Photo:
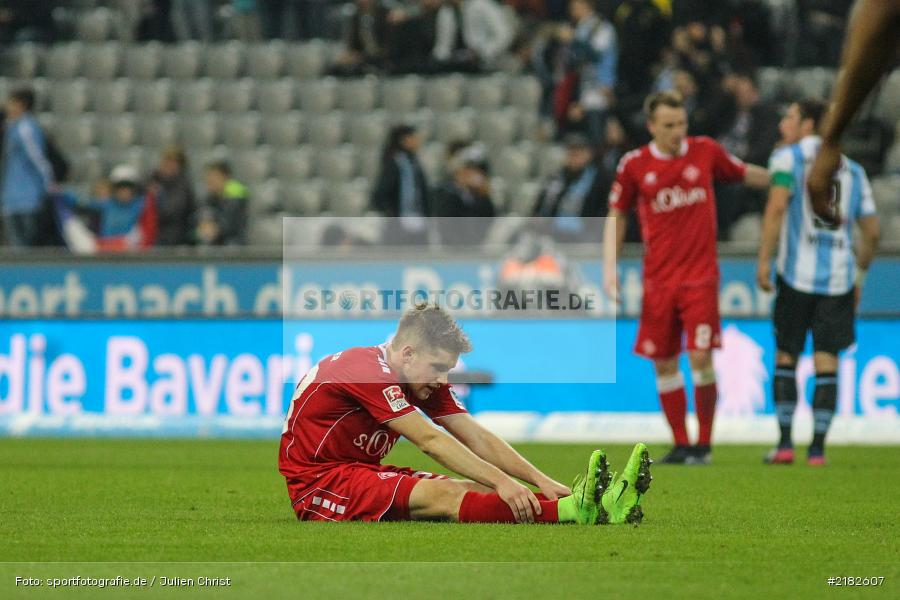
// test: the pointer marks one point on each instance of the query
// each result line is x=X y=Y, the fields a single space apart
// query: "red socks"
x=674 y=405
x=490 y=508
x=705 y=402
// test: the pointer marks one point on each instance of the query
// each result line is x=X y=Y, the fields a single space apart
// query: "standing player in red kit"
x=351 y=408
x=670 y=181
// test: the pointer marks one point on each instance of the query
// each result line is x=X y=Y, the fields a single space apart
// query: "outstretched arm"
x=757 y=177
x=497 y=452
x=452 y=454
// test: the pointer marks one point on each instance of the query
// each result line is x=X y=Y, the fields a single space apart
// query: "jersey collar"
x=657 y=153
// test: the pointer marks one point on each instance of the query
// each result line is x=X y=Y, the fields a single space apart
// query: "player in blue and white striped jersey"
x=819 y=272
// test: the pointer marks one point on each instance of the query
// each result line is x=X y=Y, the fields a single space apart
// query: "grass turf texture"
x=734 y=529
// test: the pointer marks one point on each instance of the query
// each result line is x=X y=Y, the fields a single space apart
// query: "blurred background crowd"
x=132 y=124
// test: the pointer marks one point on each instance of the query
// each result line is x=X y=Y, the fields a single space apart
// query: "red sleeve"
x=727 y=167
x=624 y=189
x=384 y=400
x=361 y=375
x=443 y=403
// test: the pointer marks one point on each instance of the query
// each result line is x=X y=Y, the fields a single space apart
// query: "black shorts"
x=831 y=319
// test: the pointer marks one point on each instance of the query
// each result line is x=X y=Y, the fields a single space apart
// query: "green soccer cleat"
x=622 y=500
x=589 y=488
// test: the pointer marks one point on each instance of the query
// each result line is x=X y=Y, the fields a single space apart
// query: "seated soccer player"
x=352 y=407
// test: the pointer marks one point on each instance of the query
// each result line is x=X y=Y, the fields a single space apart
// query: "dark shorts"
x=831 y=319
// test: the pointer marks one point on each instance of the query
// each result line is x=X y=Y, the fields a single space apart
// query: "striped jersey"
x=813 y=256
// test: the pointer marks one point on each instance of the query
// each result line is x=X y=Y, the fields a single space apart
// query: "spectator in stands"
x=222 y=218
x=192 y=19
x=578 y=68
x=579 y=190
x=643 y=31
x=27 y=21
x=467 y=195
x=401 y=191
x=27 y=172
x=749 y=130
x=413 y=38
x=244 y=24
x=126 y=216
x=174 y=195
x=365 y=36
x=471 y=35
x=702 y=50
x=822 y=24
x=146 y=20
x=750 y=127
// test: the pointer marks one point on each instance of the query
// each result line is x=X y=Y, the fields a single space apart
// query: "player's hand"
x=611 y=285
x=553 y=490
x=520 y=499
x=764 y=276
x=820 y=182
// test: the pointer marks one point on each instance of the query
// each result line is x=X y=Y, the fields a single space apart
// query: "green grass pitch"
x=736 y=529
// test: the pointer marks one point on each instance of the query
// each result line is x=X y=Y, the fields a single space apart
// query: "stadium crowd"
x=594 y=62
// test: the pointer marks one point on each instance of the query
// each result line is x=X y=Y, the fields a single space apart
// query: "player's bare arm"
x=757 y=177
x=779 y=196
x=492 y=449
x=450 y=453
x=869 y=50
x=613 y=239
x=870 y=234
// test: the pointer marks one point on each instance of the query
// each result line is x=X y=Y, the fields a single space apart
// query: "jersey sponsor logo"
x=395 y=398
x=376 y=444
x=691 y=173
x=669 y=199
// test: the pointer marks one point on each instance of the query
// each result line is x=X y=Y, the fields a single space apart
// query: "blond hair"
x=430 y=325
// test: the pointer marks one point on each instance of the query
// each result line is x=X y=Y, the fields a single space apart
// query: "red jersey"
x=340 y=409
x=676 y=206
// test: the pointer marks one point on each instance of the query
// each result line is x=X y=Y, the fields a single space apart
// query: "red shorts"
x=356 y=492
x=669 y=312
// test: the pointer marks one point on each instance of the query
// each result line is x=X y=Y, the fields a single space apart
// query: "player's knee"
x=824 y=362
x=785 y=359
x=666 y=367
x=436 y=499
x=700 y=360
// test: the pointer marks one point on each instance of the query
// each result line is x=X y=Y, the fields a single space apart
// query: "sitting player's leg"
x=461 y=501
x=622 y=502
